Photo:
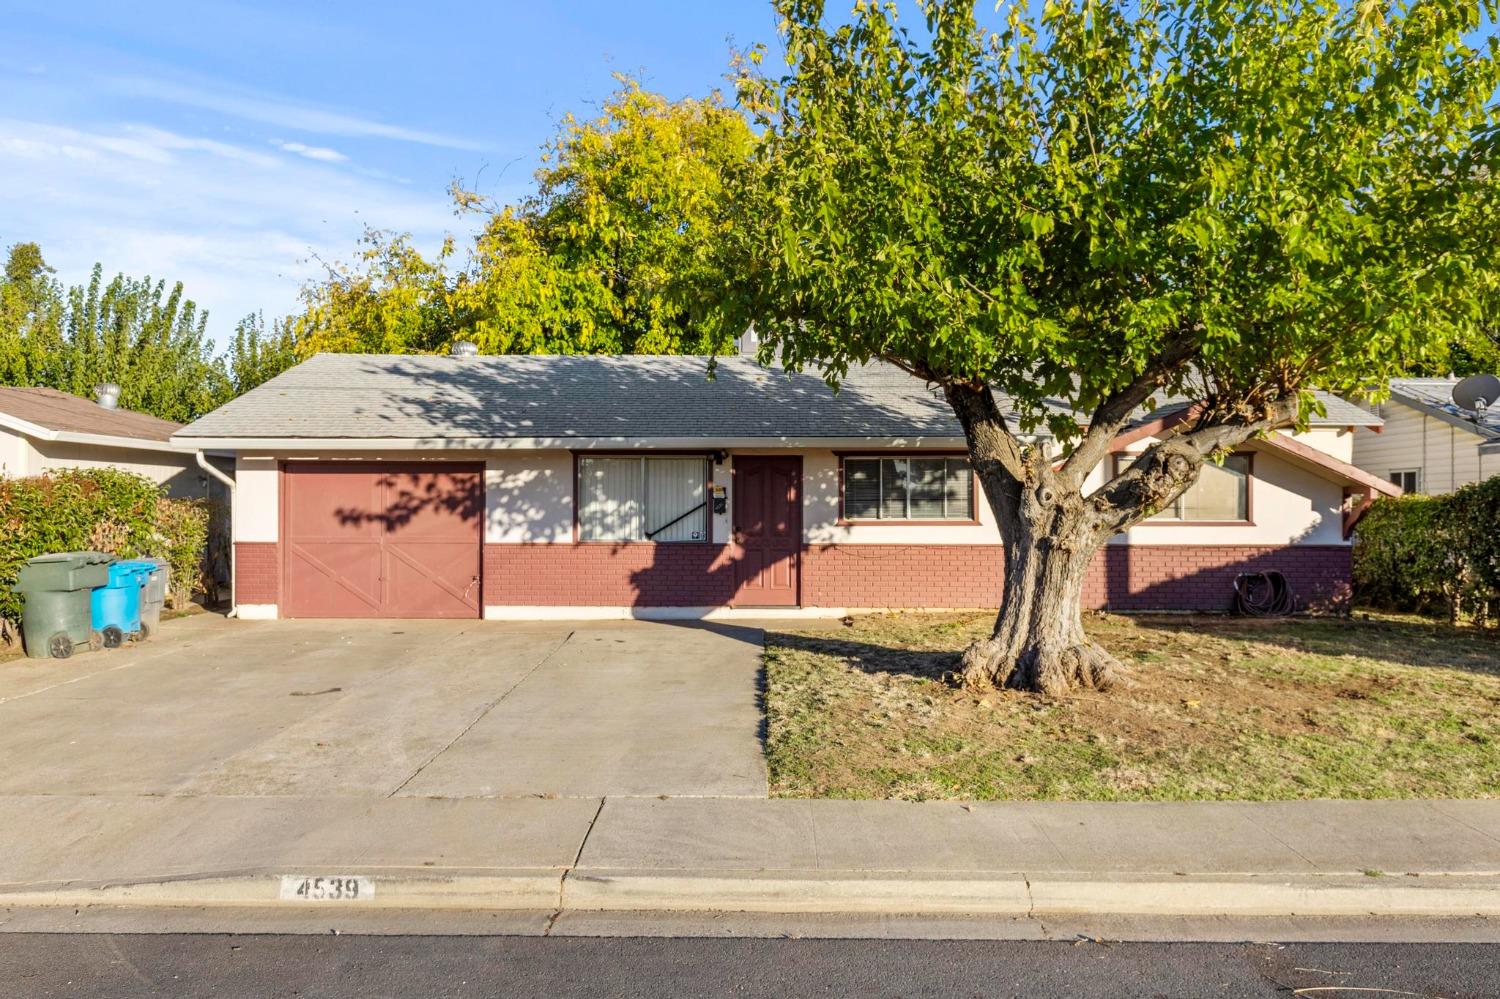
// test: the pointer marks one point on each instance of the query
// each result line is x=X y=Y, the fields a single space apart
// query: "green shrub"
x=101 y=509
x=1426 y=553
x=182 y=527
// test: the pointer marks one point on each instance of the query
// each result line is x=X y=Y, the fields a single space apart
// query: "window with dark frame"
x=643 y=498
x=1409 y=479
x=1220 y=496
x=908 y=489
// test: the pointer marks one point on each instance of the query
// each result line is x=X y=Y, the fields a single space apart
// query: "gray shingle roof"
x=1436 y=394
x=624 y=397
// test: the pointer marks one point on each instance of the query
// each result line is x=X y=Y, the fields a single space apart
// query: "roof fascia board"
x=1350 y=474
x=547 y=443
x=1444 y=416
x=110 y=440
x=42 y=433
x=26 y=427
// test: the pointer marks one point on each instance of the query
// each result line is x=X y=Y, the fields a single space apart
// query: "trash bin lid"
x=74 y=558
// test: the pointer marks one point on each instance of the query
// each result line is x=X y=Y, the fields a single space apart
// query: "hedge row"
x=98 y=510
x=1432 y=553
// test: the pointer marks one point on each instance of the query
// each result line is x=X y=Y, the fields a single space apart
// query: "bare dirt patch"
x=1218 y=708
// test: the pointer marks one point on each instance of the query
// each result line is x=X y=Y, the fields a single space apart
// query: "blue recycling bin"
x=116 y=606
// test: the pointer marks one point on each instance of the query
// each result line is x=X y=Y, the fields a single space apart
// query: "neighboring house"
x=1427 y=444
x=526 y=487
x=43 y=429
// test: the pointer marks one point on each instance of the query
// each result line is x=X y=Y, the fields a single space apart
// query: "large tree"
x=1104 y=204
x=139 y=332
x=617 y=250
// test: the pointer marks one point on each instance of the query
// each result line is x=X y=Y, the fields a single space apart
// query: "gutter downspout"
x=234 y=578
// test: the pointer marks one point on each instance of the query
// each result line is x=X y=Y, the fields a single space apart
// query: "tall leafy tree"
x=258 y=353
x=1103 y=203
x=149 y=338
x=618 y=250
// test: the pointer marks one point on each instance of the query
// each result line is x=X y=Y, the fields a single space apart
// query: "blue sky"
x=229 y=145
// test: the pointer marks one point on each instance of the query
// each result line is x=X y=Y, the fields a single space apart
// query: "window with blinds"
x=632 y=498
x=908 y=489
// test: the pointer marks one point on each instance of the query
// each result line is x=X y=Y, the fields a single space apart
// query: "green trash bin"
x=56 y=616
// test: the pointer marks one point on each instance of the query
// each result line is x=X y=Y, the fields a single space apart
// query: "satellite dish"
x=1477 y=392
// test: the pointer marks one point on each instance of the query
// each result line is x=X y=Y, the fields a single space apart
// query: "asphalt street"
x=42 y=966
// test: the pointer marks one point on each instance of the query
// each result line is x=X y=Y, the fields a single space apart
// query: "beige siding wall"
x=176 y=471
x=1447 y=456
x=15 y=455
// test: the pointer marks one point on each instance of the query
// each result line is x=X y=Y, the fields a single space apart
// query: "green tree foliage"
x=258 y=353
x=619 y=250
x=1104 y=203
x=148 y=338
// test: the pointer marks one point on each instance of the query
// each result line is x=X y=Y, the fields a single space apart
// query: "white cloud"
x=320 y=153
x=282 y=113
x=238 y=226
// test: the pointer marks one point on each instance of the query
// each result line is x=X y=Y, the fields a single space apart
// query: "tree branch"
x=1111 y=415
x=986 y=429
x=1168 y=467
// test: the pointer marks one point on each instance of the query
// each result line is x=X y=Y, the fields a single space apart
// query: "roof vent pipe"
x=463 y=348
x=107 y=395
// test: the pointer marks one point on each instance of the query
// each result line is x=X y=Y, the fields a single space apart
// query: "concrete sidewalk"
x=1021 y=860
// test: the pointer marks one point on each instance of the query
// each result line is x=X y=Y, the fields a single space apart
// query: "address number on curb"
x=325 y=888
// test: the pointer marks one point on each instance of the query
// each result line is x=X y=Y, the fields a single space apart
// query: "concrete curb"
x=849 y=892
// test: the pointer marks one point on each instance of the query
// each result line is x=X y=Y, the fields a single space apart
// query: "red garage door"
x=382 y=540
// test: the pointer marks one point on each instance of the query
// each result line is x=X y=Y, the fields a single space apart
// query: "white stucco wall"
x=1288 y=505
x=1335 y=441
x=528 y=497
x=820 y=515
x=257 y=499
x=1447 y=456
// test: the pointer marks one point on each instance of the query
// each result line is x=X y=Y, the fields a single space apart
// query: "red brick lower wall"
x=1123 y=577
x=258 y=565
x=600 y=574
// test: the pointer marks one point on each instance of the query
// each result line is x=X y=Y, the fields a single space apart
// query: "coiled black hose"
x=1263 y=594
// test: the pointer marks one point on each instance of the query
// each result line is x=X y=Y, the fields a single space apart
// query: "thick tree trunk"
x=1050 y=534
x=1039 y=644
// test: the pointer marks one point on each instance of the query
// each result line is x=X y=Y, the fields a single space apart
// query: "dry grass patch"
x=1220 y=708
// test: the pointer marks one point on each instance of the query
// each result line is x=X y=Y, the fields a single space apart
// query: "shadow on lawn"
x=1434 y=646
x=927 y=664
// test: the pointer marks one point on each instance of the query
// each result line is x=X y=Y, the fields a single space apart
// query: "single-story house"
x=1427 y=443
x=520 y=487
x=42 y=429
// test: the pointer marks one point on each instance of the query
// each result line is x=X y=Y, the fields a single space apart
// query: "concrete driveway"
x=387 y=708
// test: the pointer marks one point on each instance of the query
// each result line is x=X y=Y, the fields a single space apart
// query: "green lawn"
x=1220 y=708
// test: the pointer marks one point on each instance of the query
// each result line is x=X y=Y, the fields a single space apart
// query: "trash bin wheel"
x=113 y=637
x=145 y=632
x=60 y=646
x=96 y=641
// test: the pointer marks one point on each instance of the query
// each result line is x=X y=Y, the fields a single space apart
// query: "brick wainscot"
x=1123 y=577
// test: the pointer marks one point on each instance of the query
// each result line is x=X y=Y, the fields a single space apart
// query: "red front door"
x=767 y=530
x=390 y=540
